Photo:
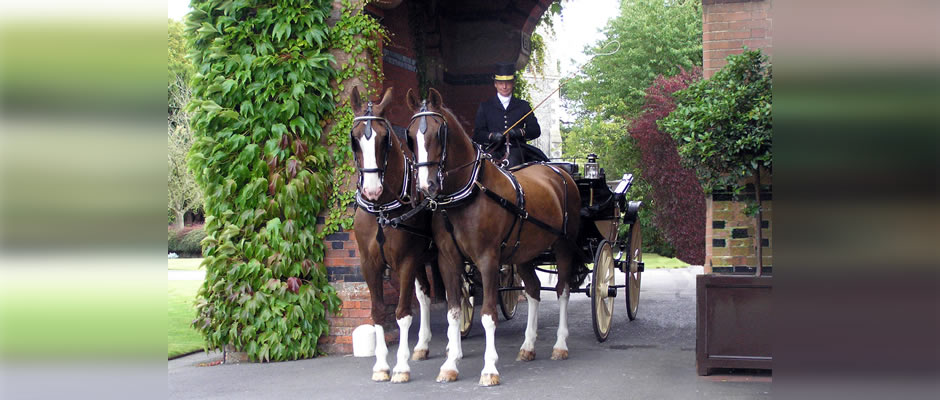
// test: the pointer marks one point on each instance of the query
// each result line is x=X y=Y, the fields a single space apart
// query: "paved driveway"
x=652 y=357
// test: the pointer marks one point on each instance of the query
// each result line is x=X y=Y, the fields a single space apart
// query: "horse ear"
x=355 y=101
x=434 y=99
x=412 y=100
x=387 y=98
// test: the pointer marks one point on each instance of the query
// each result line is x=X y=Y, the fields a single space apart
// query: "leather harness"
x=468 y=191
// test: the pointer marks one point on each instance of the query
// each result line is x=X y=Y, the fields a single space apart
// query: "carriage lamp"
x=591 y=169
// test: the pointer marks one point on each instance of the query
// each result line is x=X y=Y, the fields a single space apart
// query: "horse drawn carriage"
x=489 y=229
x=610 y=240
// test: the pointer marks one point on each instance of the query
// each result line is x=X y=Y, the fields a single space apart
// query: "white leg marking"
x=562 y=342
x=424 y=331
x=532 y=327
x=490 y=356
x=381 y=350
x=371 y=186
x=454 y=351
x=401 y=365
x=422 y=157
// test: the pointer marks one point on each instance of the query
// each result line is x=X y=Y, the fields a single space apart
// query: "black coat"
x=491 y=117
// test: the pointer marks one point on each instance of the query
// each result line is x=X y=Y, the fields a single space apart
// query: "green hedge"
x=186 y=241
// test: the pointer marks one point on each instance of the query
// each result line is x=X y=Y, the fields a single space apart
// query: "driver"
x=499 y=112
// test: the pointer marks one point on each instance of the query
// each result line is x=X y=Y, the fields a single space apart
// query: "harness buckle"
x=432 y=205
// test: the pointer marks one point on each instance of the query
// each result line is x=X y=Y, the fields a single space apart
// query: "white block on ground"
x=364 y=341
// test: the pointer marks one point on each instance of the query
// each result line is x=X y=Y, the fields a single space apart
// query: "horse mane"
x=454 y=121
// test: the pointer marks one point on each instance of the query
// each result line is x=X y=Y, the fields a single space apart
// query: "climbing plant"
x=264 y=95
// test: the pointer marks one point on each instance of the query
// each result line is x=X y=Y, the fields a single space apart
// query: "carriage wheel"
x=508 y=299
x=635 y=254
x=466 y=307
x=602 y=309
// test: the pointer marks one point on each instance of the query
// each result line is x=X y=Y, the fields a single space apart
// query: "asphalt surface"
x=652 y=357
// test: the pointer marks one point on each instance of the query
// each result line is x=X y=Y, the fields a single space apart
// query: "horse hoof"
x=401 y=377
x=447 y=376
x=419 y=355
x=559 y=354
x=525 y=355
x=489 y=379
x=380 y=376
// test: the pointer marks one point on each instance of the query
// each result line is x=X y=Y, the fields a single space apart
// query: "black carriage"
x=605 y=213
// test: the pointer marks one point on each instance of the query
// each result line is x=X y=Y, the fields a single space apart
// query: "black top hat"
x=505 y=72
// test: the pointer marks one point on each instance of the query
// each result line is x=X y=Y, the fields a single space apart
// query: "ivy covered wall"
x=271 y=156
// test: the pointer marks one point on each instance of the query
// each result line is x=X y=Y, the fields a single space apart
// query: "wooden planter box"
x=734 y=322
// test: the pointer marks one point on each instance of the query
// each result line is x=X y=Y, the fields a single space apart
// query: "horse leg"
x=533 y=295
x=451 y=269
x=565 y=256
x=406 y=274
x=424 y=300
x=489 y=269
x=373 y=277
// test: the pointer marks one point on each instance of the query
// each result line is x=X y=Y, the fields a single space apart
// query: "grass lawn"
x=650 y=260
x=181 y=337
x=185 y=264
x=653 y=260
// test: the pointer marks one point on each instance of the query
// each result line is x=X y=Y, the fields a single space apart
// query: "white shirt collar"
x=504 y=100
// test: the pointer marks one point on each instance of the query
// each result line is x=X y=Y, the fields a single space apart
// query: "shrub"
x=678 y=197
x=186 y=241
x=724 y=125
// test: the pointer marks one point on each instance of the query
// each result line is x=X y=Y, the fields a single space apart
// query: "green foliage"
x=723 y=125
x=185 y=241
x=657 y=37
x=264 y=90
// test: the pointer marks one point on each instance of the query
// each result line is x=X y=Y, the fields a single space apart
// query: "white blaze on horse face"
x=422 y=157
x=371 y=185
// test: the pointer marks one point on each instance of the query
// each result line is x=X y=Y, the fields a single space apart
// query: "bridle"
x=371 y=207
x=421 y=118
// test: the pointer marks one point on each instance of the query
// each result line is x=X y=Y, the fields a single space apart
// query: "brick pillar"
x=343 y=270
x=728 y=25
x=730 y=234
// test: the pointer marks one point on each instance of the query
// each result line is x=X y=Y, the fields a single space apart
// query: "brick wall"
x=343 y=270
x=730 y=236
x=727 y=25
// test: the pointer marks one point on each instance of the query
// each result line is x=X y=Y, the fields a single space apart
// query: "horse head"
x=427 y=135
x=371 y=141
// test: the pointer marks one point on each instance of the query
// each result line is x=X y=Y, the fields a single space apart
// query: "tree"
x=182 y=192
x=680 y=201
x=618 y=155
x=657 y=37
x=725 y=129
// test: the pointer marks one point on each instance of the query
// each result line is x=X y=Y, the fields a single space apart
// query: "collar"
x=468 y=189
x=504 y=100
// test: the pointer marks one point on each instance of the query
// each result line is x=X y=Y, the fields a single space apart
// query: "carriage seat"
x=570 y=168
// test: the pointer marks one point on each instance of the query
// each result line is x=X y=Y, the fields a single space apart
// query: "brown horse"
x=472 y=222
x=382 y=161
